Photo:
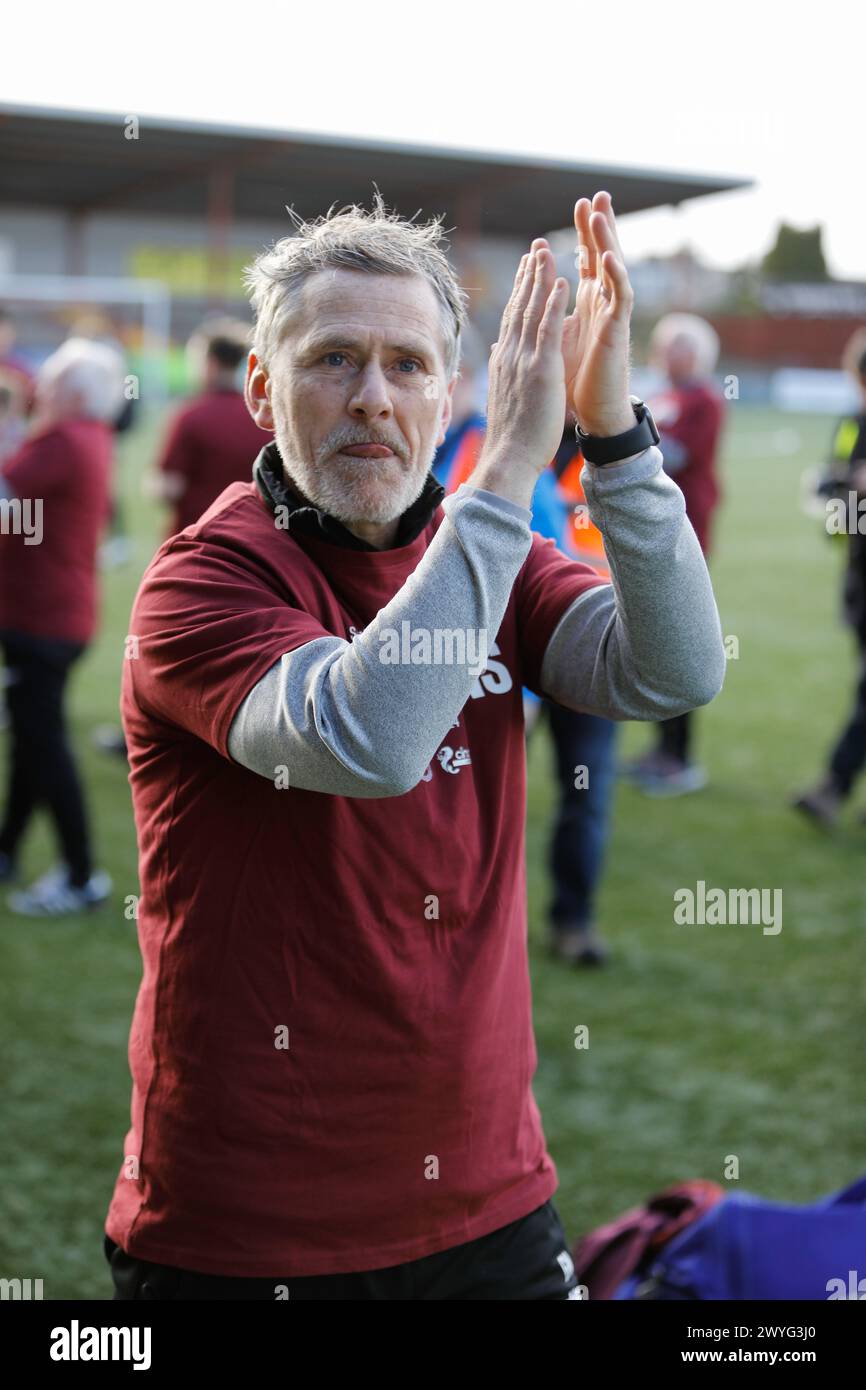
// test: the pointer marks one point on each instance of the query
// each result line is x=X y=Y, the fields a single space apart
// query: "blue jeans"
x=583 y=816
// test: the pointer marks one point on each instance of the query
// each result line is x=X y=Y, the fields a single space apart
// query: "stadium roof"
x=82 y=162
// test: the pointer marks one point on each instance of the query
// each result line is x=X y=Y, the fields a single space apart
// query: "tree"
x=797 y=255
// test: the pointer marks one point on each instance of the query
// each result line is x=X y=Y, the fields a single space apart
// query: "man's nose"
x=370 y=396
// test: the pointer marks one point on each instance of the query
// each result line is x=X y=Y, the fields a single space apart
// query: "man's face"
x=356 y=393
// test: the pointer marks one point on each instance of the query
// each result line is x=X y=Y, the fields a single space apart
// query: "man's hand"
x=526 y=395
x=595 y=340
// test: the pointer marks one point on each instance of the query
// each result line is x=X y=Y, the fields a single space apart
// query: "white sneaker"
x=673 y=781
x=116 y=552
x=53 y=895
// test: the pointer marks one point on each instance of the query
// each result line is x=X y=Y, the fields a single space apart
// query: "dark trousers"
x=527 y=1259
x=675 y=737
x=42 y=770
x=581 y=828
x=849 y=755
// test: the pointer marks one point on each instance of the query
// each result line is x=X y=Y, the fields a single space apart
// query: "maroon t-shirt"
x=693 y=416
x=394 y=1116
x=63 y=476
x=211 y=443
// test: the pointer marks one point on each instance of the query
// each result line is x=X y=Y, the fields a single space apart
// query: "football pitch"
x=706 y=1043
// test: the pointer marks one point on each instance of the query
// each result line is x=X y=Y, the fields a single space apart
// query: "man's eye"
x=412 y=361
x=330 y=355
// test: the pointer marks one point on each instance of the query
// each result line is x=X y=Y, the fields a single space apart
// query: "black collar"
x=303 y=518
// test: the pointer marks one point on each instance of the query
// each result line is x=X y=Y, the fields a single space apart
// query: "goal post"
x=151 y=296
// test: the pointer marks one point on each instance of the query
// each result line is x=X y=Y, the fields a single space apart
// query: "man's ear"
x=257 y=394
x=447 y=408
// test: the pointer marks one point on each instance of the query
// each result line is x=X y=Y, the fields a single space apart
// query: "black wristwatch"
x=600 y=449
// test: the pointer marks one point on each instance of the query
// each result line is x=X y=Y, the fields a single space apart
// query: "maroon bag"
x=609 y=1254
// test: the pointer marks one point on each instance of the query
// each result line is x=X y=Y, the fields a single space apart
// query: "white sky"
x=769 y=93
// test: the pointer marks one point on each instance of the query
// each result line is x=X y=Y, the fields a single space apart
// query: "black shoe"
x=8 y=869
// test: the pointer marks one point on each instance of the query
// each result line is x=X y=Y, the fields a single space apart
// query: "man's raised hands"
x=543 y=360
x=526 y=387
x=595 y=340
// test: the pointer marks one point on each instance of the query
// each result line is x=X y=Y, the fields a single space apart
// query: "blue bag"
x=750 y=1249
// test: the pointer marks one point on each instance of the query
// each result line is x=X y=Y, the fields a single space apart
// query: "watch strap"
x=601 y=449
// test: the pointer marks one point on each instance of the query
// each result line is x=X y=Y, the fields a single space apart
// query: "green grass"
x=704 y=1041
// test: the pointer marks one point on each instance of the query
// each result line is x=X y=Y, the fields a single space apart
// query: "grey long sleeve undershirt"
x=646 y=646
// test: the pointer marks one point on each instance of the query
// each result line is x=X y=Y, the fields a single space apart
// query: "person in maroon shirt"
x=332 y=1050
x=213 y=440
x=689 y=414
x=56 y=498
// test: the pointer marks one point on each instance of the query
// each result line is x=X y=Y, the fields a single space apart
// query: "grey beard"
x=305 y=480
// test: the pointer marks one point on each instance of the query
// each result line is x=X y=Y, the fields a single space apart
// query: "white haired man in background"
x=689 y=413
x=55 y=495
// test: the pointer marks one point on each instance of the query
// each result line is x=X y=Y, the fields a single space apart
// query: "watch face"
x=650 y=420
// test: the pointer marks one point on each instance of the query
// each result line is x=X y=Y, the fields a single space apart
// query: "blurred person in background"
x=11 y=365
x=13 y=423
x=457 y=456
x=583 y=744
x=213 y=440
x=13 y=431
x=580 y=741
x=56 y=490
x=98 y=327
x=845 y=480
x=689 y=414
